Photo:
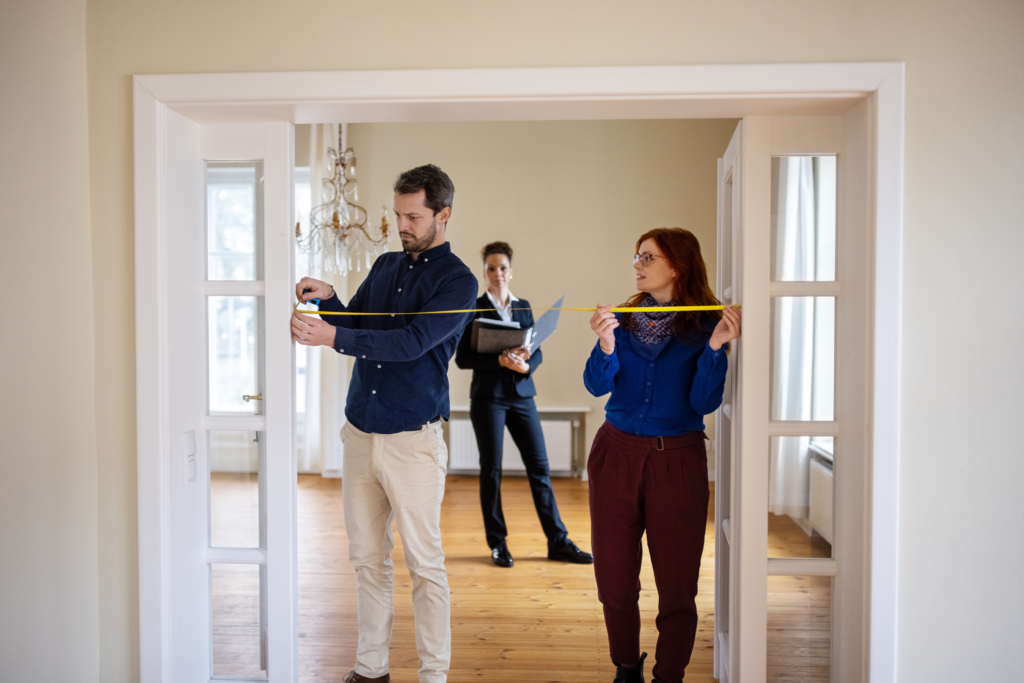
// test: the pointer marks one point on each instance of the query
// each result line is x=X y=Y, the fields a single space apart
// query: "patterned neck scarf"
x=650 y=327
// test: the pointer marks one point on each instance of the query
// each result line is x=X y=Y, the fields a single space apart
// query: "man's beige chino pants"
x=401 y=477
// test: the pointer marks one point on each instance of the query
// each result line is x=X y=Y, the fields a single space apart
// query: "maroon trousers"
x=657 y=484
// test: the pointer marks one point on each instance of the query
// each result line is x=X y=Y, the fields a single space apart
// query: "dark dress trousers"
x=500 y=397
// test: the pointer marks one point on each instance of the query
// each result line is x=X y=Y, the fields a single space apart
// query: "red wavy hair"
x=681 y=250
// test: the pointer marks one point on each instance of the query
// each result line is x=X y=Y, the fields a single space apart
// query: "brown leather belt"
x=655 y=443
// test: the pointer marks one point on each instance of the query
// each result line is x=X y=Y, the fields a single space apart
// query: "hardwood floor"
x=787 y=539
x=538 y=621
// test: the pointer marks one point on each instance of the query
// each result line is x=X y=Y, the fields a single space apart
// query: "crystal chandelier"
x=339 y=228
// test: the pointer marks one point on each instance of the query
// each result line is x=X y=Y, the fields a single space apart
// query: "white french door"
x=792 y=434
x=741 y=423
x=230 y=602
x=728 y=414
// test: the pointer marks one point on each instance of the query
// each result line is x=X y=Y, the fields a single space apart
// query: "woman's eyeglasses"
x=644 y=259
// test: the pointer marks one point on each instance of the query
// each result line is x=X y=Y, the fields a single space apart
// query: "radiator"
x=821 y=499
x=464 y=458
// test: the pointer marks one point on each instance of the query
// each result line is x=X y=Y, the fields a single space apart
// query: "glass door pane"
x=799 y=629
x=235 y=592
x=236 y=492
x=803 y=358
x=233 y=219
x=803 y=222
x=800 y=496
x=234 y=354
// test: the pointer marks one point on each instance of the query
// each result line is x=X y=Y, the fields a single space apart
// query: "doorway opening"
x=571 y=197
x=205 y=103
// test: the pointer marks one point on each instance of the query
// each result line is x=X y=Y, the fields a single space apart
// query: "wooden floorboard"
x=538 y=621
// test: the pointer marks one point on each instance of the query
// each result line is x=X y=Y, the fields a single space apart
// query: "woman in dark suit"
x=501 y=395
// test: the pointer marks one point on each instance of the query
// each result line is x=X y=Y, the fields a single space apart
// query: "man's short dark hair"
x=438 y=187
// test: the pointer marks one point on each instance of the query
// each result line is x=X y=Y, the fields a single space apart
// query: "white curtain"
x=326 y=370
x=803 y=327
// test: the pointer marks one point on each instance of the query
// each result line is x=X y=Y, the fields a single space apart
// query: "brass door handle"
x=257 y=397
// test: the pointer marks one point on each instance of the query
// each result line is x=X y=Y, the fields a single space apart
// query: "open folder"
x=494 y=336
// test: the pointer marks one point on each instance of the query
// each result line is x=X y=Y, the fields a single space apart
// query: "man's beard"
x=421 y=245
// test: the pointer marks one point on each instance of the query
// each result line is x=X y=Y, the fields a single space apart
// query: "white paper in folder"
x=494 y=336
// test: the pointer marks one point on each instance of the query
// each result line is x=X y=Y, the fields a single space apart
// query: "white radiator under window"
x=464 y=458
x=821 y=498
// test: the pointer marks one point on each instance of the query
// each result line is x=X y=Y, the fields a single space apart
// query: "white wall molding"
x=553 y=83
x=151 y=373
x=565 y=93
x=731 y=91
x=888 y=344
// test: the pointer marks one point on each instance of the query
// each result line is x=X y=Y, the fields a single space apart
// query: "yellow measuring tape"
x=620 y=309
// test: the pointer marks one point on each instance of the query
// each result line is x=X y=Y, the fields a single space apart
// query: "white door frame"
x=733 y=91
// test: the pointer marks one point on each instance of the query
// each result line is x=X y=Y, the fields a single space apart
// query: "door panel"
x=819 y=430
x=751 y=494
x=279 y=404
x=232 y=583
x=741 y=450
x=725 y=419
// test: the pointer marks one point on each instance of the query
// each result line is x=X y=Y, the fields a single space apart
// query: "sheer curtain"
x=326 y=386
x=803 y=327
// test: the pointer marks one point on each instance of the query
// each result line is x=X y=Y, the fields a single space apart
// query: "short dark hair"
x=497 y=248
x=438 y=187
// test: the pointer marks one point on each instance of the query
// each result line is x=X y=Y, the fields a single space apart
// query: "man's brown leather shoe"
x=353 y=677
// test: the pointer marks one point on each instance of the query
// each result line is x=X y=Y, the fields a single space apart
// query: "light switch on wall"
x=190 y=469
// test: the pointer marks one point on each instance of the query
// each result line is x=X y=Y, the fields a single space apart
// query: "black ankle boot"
x=632 y=674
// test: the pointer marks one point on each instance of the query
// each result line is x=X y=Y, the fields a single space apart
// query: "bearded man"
x=395 y=457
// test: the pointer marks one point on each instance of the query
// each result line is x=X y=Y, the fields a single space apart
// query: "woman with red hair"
x=648 y=464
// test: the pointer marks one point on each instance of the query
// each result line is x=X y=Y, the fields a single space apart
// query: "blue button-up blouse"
x=662 y=389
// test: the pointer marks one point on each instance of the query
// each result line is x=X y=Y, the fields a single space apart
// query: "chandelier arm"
x=333 y=224
x=374 y=240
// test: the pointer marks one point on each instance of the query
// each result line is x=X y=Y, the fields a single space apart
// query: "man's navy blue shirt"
x=401 y=371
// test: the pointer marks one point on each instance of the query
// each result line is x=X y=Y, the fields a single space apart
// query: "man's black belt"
x=421 y=426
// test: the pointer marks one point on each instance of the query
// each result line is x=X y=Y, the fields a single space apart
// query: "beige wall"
x=48 y=499
x=571 y=197
x=961 y=542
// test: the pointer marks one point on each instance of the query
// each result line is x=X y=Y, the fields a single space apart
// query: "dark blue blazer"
x=490 y=380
